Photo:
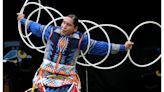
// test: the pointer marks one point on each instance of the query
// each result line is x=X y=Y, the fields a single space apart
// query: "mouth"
x=64 y=31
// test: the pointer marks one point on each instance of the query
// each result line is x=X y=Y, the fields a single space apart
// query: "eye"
x=69 y=24
x=63 y=22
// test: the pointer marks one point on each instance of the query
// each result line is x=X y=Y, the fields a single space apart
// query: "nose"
x=64 y=25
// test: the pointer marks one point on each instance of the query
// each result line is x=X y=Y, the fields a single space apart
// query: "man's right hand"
x=20 y=16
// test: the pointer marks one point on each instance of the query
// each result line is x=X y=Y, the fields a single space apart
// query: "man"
x=57 y=73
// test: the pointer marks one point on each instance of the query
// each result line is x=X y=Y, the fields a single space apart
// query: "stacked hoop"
x=28 y=42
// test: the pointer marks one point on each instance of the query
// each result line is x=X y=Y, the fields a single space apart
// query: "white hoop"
x=134 y=30
x=27 y=35
x=110 y=67
x=32 y=46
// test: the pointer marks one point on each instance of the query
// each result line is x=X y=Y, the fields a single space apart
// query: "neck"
x=62 y=33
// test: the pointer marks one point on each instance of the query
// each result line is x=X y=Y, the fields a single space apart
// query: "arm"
x=34 y=27
x=37 y=28
x=101 y=47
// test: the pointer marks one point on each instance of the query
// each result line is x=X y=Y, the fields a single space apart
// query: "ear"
x=75 y=29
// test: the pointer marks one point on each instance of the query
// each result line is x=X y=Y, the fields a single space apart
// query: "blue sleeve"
x=37 y=28
x=99 y=47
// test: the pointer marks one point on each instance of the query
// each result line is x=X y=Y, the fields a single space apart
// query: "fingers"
x=17 y=13
x=129 y=42
x=128 y=45
x=20 y=16
x=132 y=43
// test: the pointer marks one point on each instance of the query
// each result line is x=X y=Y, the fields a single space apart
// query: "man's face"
x=67 y=26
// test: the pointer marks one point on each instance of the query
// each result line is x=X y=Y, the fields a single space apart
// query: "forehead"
x=68 y=20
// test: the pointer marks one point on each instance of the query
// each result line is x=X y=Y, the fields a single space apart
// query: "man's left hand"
x=128 y=45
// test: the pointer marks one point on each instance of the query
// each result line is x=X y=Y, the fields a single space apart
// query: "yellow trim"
x=79 y=82
x=33 y=88
x=24 y=55
x=158 y=73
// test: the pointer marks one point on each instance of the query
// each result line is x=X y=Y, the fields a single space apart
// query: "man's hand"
x=20 y=16
x=128 y=45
